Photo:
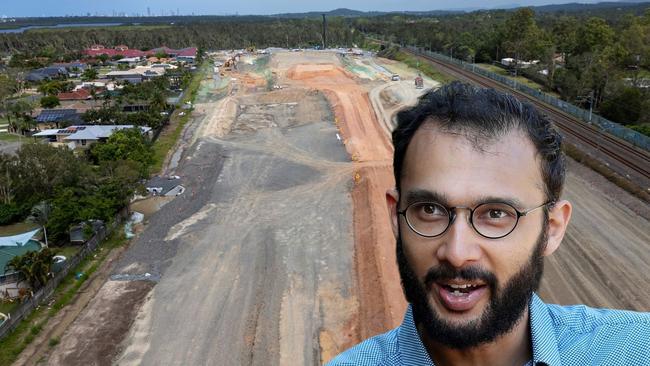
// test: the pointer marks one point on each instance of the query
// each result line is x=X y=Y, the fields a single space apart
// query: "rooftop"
x=88 y=132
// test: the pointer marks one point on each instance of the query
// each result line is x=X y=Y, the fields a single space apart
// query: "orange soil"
x=381 y=303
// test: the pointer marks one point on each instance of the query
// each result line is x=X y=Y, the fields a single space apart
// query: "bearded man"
x=476 y=208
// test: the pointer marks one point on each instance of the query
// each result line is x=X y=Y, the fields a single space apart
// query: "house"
x=57 y=117
x=75 y=67
x=163 y=66
x=12 y=282
x=83 y=135
x=78 y=94
x=187 y=55
x=129 y=61
x=47 y=73
x=130 y=76
x=165 y=186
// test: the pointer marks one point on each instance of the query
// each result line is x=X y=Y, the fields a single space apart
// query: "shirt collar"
x=543 y=335
x=411 y=349
x=545 y=351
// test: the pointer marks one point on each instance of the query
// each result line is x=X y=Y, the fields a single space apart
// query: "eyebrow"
x=423 y=195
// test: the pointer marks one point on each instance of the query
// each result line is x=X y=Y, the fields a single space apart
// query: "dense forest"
x=230 y=34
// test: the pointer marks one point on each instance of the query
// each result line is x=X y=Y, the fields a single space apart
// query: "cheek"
x=420 y=255
x=508 y=257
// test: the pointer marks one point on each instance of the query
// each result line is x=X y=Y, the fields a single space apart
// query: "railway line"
x=632 y=158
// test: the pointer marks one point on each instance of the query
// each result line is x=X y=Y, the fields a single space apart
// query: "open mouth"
x=457 y=296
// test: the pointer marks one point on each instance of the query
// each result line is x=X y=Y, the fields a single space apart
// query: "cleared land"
x=280 y=251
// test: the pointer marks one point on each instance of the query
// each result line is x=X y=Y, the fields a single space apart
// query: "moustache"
x=445 y=271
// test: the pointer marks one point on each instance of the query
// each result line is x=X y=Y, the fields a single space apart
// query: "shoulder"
x=593 y=335
x=378 y=350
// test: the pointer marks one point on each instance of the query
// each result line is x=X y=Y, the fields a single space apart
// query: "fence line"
x=43 y=294
x=627 y=134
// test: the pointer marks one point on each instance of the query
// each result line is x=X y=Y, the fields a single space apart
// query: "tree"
x=89 y=74
x=50 y=101
x=21 y=110
x=127 y=144
x=40 y=214
x=54 y=87
x=624 y=107
x=36 y=266
x=595 y=34
x=521 y=36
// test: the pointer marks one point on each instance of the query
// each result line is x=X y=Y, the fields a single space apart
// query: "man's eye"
x=497 y=214
x=431 y=210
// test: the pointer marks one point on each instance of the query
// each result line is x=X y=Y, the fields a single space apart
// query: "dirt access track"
x=280 y=251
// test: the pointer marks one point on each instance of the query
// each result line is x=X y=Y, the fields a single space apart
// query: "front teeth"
x=461 y=286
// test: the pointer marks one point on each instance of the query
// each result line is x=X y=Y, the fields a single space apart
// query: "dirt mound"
x=321 y=73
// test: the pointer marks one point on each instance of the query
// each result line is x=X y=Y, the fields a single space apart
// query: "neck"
x=513 y=348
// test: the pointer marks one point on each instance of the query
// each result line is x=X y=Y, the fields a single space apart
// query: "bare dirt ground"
x=280 y=251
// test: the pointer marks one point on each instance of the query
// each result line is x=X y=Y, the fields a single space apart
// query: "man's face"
x=466 y=289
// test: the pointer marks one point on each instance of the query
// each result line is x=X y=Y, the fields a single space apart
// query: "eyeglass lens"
x=489 y=219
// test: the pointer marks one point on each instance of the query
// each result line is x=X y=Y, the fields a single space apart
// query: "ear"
x=558 y=220
x=392 y=198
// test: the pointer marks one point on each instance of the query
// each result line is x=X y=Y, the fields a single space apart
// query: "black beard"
x=505 y=309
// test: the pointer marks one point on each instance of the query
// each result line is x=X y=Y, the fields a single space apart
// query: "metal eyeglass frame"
x=451 y=215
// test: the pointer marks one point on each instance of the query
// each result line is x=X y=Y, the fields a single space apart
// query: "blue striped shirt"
x=561 y=335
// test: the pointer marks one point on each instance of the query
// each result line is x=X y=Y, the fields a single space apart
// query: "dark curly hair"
x=483 y=115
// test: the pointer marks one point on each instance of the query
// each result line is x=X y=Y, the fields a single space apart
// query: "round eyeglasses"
x=492 y=220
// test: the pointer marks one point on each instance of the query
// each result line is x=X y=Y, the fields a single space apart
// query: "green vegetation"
x=36 y=266
x=12 y=345
x=168 y=137
x=417 y=63
x=7 y=306
x=76 y=188
x=50 y=101
x=221 y=33
x=67 y=251
x=115 y=28
x=9 y=137
x=589 y=60
x=520 y=79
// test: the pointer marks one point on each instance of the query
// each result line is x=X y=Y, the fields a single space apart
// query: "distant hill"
x=349 y=13
x=577 y=7
x=636 y=5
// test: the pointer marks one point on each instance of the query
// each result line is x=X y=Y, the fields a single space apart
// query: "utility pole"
x=324 y=32
x=591 y=103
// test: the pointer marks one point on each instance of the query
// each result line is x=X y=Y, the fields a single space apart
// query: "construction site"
x=280 y=250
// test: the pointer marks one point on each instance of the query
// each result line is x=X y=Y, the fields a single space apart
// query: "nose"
x=459 y=245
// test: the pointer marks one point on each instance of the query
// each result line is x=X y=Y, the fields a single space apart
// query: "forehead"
x=451 y=165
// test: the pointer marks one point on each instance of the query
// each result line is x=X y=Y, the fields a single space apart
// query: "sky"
x=12 y=8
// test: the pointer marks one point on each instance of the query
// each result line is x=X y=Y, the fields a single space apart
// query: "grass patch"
x=67 y=251
x=170 y=134
x=10 y=137
x=12 y=345
x=424 y=66
x=53 y=342
x=6 y=307
x=17 y=228
x=520 y=79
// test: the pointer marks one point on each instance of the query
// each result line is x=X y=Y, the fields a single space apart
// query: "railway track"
x=575 y=130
